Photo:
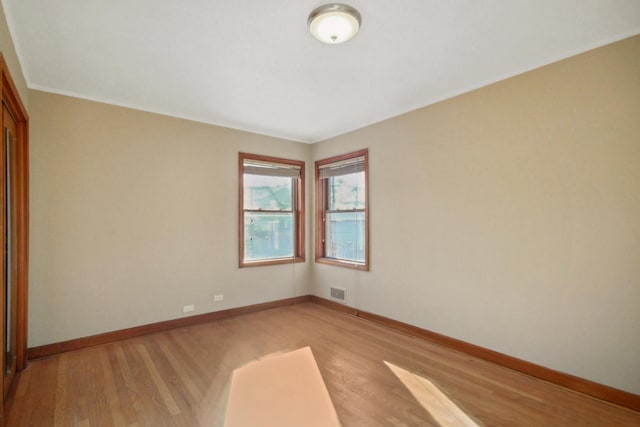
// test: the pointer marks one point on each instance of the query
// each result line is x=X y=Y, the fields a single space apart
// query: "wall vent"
x=338 y=293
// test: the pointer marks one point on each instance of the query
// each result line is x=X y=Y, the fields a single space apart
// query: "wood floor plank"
x=170 y=403
x=41 y=396
x=111 y=391
x=142 y=390
x=181 y=377
x=125 y=387
x=187 y=375
x=62 y=417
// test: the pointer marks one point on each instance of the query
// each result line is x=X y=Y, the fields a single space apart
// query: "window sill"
x=275 y=261
x=344 y=264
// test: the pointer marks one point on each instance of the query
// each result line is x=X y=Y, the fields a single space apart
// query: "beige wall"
x=8 y=51
x=509 y=217
x=134 y=215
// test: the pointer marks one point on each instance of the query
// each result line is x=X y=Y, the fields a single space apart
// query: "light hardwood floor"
x=181 y=377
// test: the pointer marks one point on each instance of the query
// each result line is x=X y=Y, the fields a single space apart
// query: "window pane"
x=268 y=235
x=267 y=192
x=345 y=236
x=346 y=191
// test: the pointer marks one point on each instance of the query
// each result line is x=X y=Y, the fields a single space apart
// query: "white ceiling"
x=252 y=64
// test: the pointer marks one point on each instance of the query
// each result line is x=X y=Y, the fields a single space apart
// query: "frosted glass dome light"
x=334 y=23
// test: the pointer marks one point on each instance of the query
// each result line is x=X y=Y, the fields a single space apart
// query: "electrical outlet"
x=217 y=298
x=188 y=308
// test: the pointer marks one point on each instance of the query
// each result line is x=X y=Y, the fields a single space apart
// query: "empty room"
x=298 y=213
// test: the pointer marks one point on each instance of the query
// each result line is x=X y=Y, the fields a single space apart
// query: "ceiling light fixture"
x=334 y=23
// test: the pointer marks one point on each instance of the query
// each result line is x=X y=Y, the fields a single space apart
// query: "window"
x=271 y=210
x=342 y=210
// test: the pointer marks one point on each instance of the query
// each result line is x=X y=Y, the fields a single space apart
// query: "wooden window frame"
x=321 y=209
x=298 y=194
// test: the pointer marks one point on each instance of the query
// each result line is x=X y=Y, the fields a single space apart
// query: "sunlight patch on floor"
x=280 y=390
x=441 y=408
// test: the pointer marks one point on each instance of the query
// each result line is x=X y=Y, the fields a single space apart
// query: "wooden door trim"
x=11 y=98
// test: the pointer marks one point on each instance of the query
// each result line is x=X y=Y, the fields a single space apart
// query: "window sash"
x=345 y=244
x=272 y=211
x=268 y=238
x=330 y=211
x=350 y=195
x=265 y=193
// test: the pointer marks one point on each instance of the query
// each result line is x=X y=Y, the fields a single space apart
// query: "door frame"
x=11 y=98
